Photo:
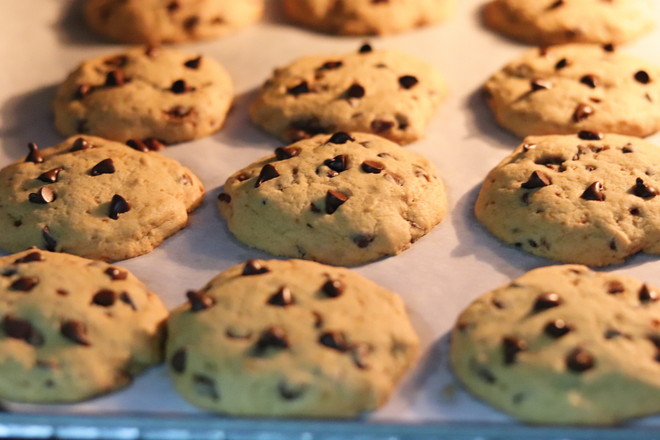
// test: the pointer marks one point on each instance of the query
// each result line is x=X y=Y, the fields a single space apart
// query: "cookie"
x=289 y=338
x=586 y=198
x=72 y=328
x=383 y=92
x=344 y=199
x=95 y=198
x=144 y=93
x=547 y=22
x=568 y=88
x=367 y=17
x=563 y=345
x=169 y=21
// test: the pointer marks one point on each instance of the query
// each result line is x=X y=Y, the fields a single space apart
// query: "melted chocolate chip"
x=24 y=284
x=355 y=91
x=104 y=298
x=340 y=138
x=116 y=274
x=106 y=166
x=199 y=301
x=333 y=200
x=579 y=360
x=557 y=328
x=50 y=176
x=273 y=337
x=642 y=77
x=372 y=167
x=23 y=330
x=537 y=179
x=546 y=301
x=75 y=331
x=408 y=81
x=115 y=78
x=590 y=135
x=646 y=295
x=253 y=267
x=178 y=360
x=582 y=112
x=32 y=257
x=643 y=190
x=511 y=346
x=299 y=89
x=193 y=63
x=284 y=153
x=49 y=240
x=333 y=288
x=118 y=205
x=34 y=155
x=594 y=192
x=338 y=163
x=282 y=298
x=268 y=172
x=334 y=340
x=589 y=81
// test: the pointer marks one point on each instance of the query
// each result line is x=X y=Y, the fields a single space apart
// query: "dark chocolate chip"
x=643 y=190
x=642 y=77
x=557 y=328
x=126 y=299
x=199 y=301
x=190 y=23
x=22 y=329
x=43 y=196
x=372 y=167
x=75 y=331
x=579 y=360
x=284 y=153
x=178 y=360
x=118 y=205
x=589 y=81
x=179 y=86
x=273 y=337
x=104 y=298
x=365 y=48
x=116 y=274
x=546 y=301
x=511 y=346
x=646 y=295
x=253 y=267
x=289 y=391
x=333 y=200
x=338 y=163
x=333 y=288
x=49 y=240
x=590 y=135
x=115 y=78
x=363 y=240
x=24 y=284
x=331 y=65
x=537 y=179
x=355 y=91
x=50 y=176
x=561 y=64
x=408 y=81
x=34 y=155
x=193 y=63
x=609 y=47
x=32 y=257
x=79 y=145
x=334 y=340
x=106 y=166
x=268 y=172
x=340 y=138
x=138 y=145
x=282 y=298
x=540 y=84
x=224 y=197
x=628 y=148
x=380 y=125
x=299 y=89
x=594 y=192
x=582 y=112
x=615 y=287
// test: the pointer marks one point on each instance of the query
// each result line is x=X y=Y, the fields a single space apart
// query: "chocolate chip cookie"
x=143 y=93
x=72 y=328
x=95 y=198
x=587 y=198
x=289 y=338
x=341 y=199
x=383 y=92
x=563 y=345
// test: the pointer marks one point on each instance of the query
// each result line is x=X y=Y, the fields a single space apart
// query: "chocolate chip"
x=586 y=135
x=193 y=63
x=408 y=81
x=380 y=125
x=49 y=240
x=579 y=360
x=253 y=267
x=333 y=200
x=284 y=153
x=79 y=145
x=179 y=112
x=106 y=166
x=355 y=91
x=43 y=196
x=537 y=180
x=81 y=91
x=34 y=155
x=340 y=138
x=22 y=329
x=115 y=78
x=589 y=81
x=118 y=205
x=126 y=299
x=561 y=64
x=372 y=167
x=268 y=172
x=75 y=331
x=281 y=298
x=199 y=301
x=138 y=145
x=643 y=190
x=273 y=337
x=359 y=354
x=556 y=4
x=290 y=392
x=557 y=328
x=642 y=77
x=546 y=301
x=365 y=48
x=179 y=86
x=224 y=197
x=511 y=346
x=334 y=340
x=540 y=84
x=628 y=148
x=104 y=298
x=116 y=274
x=331 y=65
x=299 y=89
x=615 y=287
x=178 y=360
x=50 y=176
x=32 y=257
x=594 y=192
x=24 y=284
x=609 y=47
x=646 y=295
x=333 y=288
x=190 y=23
x=363 y=240
x=582 y=112
x=338 y=163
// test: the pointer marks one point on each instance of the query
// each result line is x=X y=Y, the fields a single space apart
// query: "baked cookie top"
x=563 y=345
x=343 y=199
x=545 y=22
x=384 y=92
x=72 y=328
x=169 y=21
x=567 y=88
x=144 y=93
x=289 y=338
x=586 y=198
x=94 y=198
x=367 y=17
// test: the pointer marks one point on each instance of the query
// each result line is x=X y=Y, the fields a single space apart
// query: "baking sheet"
x=42 y=40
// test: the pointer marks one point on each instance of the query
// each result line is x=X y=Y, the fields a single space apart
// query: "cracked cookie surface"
x=169 y=21
x=563 y=345
x=572 y=87
x=382 y=92
x=94 y=198
x=290 y=338
x=142 y=93
x=343 y=199
x=587 y=198
x=72 y=328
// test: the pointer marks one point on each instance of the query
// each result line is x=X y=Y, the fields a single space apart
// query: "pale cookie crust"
x=144 y=93
x=546 y=22
x=94 y=198
x=72 y=328
x=290 y=338
x=588 y=198
x=383 y=92
x=341 y=199
x=564 y=89
x=169 y=21
x=563 y=345
x=367 y=17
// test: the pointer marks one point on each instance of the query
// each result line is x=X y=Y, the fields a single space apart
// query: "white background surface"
x=42 y=40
